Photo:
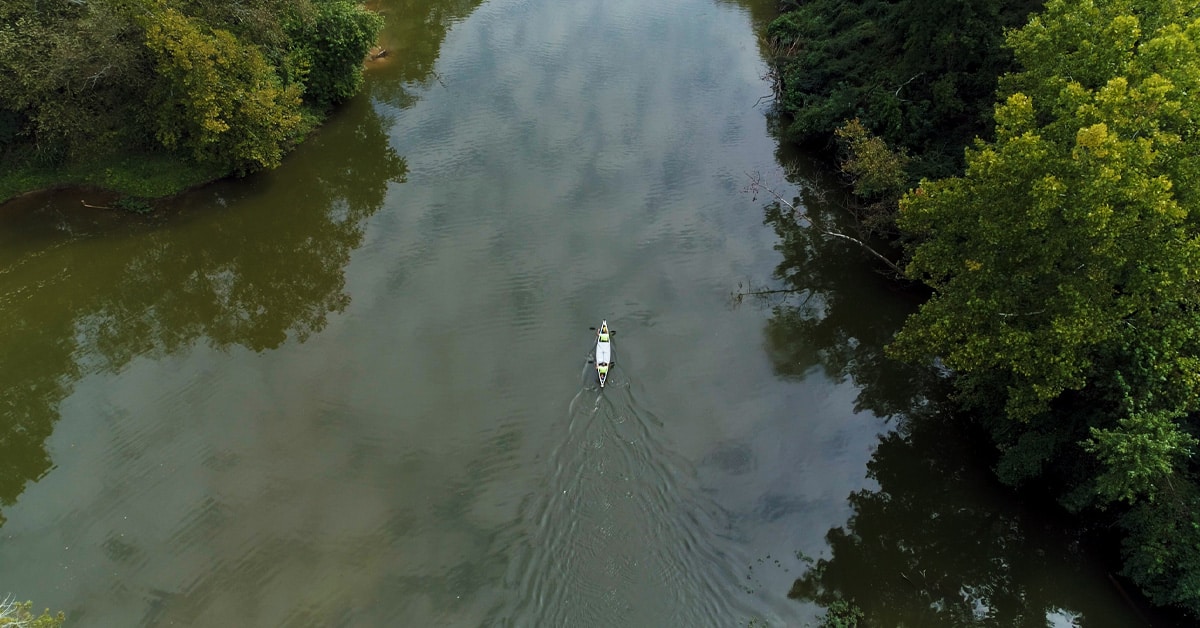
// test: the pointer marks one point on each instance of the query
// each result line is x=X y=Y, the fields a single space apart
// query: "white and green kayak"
x=603 y=352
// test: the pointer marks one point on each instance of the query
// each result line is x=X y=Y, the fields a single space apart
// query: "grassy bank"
x=132 y=175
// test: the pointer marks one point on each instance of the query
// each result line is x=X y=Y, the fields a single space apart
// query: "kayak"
x=603 y=352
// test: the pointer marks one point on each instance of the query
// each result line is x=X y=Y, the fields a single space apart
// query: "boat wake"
x=621 y=535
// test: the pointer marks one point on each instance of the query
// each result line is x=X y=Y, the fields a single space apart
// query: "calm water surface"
x=354 y=391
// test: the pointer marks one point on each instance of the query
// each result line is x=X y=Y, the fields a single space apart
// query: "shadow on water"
x=833 y=309
x=939 y=542
x=621 y=520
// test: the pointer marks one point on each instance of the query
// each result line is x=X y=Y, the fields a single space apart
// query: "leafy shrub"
x=216 y=98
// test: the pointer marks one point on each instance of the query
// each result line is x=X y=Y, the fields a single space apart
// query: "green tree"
x=71 y=77
x=922 y=75
x=1072 y=237
x=216 y=98
x=1065 y=265
x=876 y=169
x=878 y=176
x=1139 y=456
x=1160 y=547
x=225 y=84
x=332 y=41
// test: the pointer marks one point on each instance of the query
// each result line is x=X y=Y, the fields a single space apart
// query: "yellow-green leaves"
x=876 y=169
x=1014 y=117
x=1093 y=138
x=216 y=98
x=1069 y=234
x=1065 y=264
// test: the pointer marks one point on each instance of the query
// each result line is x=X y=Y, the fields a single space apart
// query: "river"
x=354 y=391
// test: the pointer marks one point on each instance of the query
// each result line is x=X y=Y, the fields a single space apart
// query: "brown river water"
x=354 y=391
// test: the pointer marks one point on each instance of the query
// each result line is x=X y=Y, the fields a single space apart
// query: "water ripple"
x=621 y=533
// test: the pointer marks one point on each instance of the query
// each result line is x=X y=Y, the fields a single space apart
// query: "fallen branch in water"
x=763 y=294
x=800 y=216
x=737 y=297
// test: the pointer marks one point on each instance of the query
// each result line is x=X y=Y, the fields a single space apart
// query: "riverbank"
x=188 y=93
x=1081 y=378
x=134 y=176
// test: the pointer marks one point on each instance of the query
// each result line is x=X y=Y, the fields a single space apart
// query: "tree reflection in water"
x=935 y=545
x=842 y=308
x=939 y=542
x=93 y=298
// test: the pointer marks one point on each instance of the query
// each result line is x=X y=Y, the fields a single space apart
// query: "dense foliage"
x=231 y=86
x=922 y=75
x=216 y=98
x=1065 y=260
x=1065 y=265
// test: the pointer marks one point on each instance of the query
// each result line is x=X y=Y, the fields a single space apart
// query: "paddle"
x=611 y=332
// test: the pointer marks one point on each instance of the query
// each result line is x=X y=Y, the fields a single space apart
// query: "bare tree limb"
x=95 y=78
x=1011 y=314
x=897 y=92
x=800 y=216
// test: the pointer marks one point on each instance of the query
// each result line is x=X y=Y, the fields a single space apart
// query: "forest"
x=1033 y=169
x=150 y=96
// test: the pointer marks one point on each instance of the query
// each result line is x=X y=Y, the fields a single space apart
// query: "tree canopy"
x=217 y=98
x=232 y=86
x=1065 y=264
x=922 y=75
